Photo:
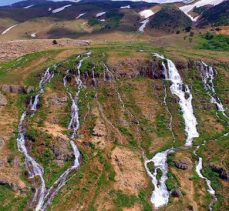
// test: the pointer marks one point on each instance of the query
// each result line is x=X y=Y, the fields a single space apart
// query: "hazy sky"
x=7 y=2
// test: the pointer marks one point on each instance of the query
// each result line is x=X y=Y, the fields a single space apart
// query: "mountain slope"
x=216 y=16
x=170 y=19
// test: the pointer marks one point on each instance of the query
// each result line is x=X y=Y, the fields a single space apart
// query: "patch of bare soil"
x=187 y=185
x=18 y=48
x=99 y=131
x=130 y=173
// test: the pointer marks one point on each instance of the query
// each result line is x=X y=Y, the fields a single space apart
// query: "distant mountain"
x=170 y=19
x=217 y=15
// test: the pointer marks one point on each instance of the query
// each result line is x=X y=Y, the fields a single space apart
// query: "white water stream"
x=160 y=195
x=183 y=92
x=208 y=74
x=43 y=197
x=34 y=168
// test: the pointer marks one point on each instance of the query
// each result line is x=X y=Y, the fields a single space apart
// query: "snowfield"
x=146 y=13
x=188 y=8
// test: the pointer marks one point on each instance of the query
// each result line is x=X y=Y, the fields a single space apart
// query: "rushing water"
x=34 y=168
x=48 y=75
x=199 y=167
x=43 y=197
x=183 y=92
x=208 y=74
x=160 y=195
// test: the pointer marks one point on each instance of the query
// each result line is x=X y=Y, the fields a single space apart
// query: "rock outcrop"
x=180 y=164
x=223 y=173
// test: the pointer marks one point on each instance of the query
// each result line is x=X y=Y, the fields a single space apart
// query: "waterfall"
x=208 y=74
x=199 y=167
x=48 y=75
x=74 y=125
x=183 y=92
x=160 y=195
x=34 y=168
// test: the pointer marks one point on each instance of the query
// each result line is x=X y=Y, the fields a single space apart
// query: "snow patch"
x=100 y=14
x=61 y=8
x=146 y=13
x=188 y=8
x=80 y=15
x=8 y=29
x=27 y=7
x=125 y=7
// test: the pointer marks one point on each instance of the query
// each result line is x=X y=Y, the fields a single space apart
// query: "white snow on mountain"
x=8 y=29
x=125 y=7
x=188 y=8
x=27 y=7
x=146 y=13
x=100 y=14
x=61 y=8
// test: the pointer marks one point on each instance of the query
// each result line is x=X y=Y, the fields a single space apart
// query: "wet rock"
x=3 y=100
x=183 y=165
x=223 y=173
x=176 y=193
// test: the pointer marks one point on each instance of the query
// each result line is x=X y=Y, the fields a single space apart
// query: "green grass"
x=214 y=42
x=11 y=201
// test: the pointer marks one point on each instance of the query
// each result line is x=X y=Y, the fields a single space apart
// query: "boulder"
x=183 y=165
x=176 y=193
x=3 y=100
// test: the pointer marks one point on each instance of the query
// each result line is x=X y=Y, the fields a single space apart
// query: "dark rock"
x=13 y=186
x=176 y=193
x=223 y=173
x=13 y=89
x=181 y=164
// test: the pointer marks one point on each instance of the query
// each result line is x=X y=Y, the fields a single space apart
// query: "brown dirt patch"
x=130 y=173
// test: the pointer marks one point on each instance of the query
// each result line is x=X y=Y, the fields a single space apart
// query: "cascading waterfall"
x=45 y=79
x=74 y=126
x=199 y=167
x=208 y=74
x=160 y=195
x=183 y=92
x=42 y=197
x=34 y=168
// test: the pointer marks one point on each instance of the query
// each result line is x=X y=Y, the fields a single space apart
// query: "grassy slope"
x=96 y=174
